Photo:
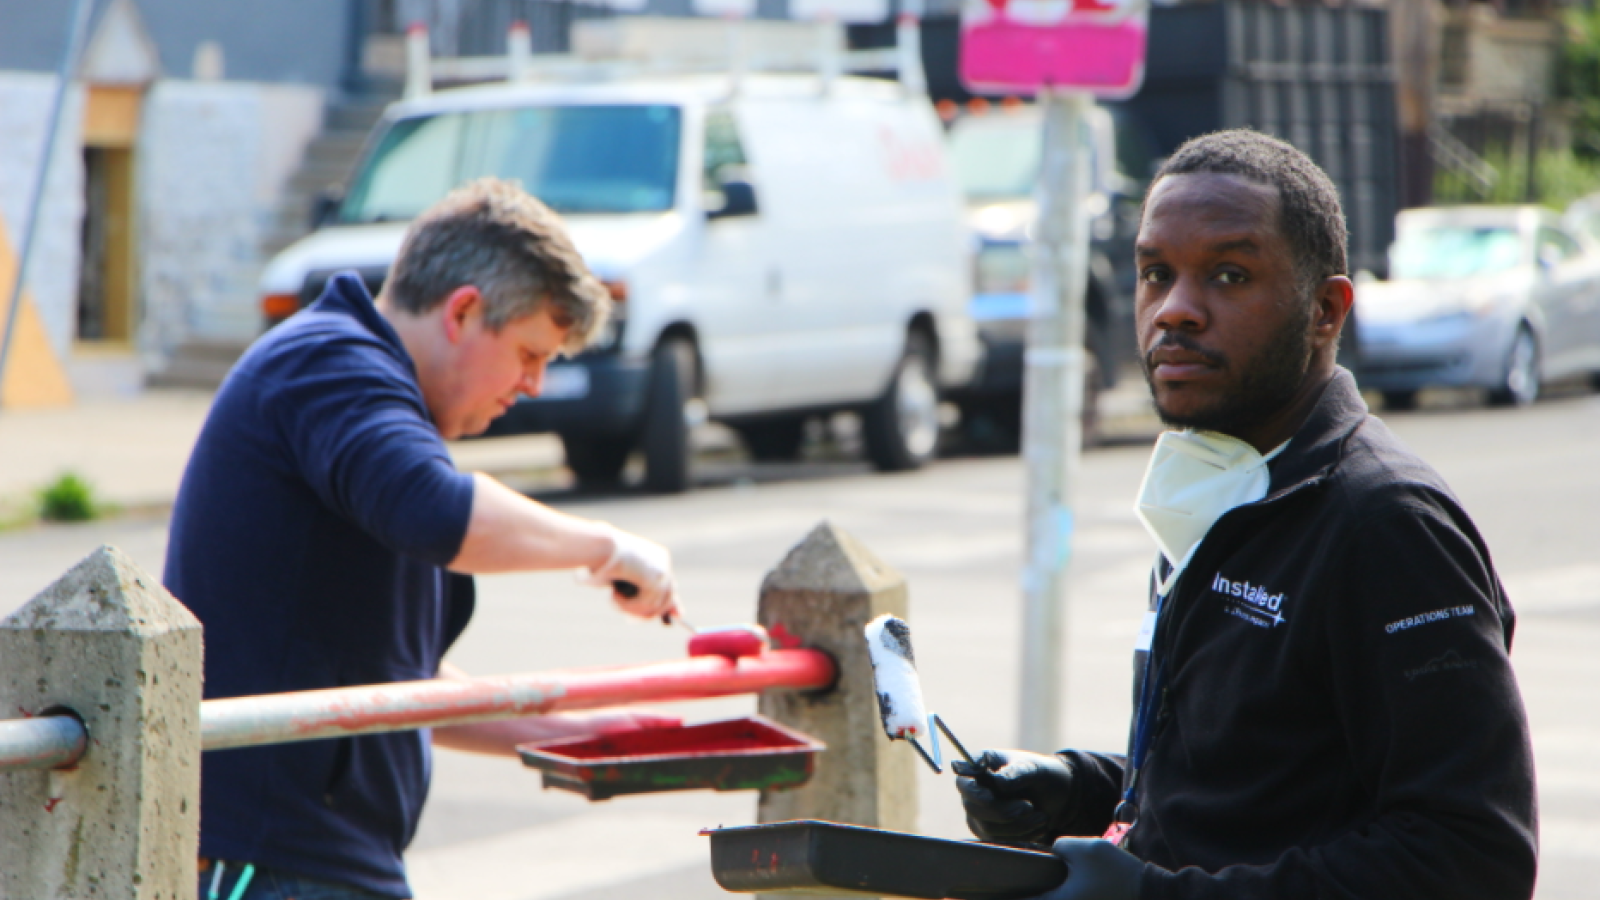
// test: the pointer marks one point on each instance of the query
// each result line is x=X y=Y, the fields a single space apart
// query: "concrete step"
x=314 y=176
x=273 y=244
x=336 y=147
x=354 y=116
x=198 y=363
x=329 y=160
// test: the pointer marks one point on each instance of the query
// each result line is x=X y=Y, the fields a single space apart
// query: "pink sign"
x=1020 y=46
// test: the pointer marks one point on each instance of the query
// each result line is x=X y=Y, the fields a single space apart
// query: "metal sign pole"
x=69 y=61
x=1053 y=407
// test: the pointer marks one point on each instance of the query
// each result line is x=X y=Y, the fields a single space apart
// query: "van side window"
x=723 y=149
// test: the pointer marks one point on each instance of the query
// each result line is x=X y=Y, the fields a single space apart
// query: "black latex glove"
x=1096 y=870
x=1012 y=796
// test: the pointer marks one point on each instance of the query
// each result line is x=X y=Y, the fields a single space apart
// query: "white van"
x=780 y=246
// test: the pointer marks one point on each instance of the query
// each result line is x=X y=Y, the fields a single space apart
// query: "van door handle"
x=774 y=283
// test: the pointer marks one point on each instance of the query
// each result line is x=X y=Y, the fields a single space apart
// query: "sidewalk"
x=132 y=449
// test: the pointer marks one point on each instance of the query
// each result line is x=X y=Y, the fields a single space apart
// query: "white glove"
x=647 y=567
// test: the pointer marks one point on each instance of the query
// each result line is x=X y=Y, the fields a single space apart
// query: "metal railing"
x=59 y=741
x=682 y=46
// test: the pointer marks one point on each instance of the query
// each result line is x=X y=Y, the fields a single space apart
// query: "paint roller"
x=900 y=706
x=728 y=641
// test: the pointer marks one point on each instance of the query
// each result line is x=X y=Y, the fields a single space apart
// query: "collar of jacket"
x=1312 y=455
x=1316 y=448
x=347 y=294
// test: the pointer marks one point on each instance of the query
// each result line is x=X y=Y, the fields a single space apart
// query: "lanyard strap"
x=1150 y=690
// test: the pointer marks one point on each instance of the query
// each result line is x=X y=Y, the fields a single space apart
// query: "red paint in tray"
x=751 y=753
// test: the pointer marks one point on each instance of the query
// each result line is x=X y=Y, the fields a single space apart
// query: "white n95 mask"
x=1194 y=477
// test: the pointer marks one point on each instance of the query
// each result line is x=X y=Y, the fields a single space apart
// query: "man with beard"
x=1324 y=704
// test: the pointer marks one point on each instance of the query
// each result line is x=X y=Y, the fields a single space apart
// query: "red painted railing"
x=55 y=742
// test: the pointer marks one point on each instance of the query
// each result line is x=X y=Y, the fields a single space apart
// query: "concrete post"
x=107 y=642
x=824 y=593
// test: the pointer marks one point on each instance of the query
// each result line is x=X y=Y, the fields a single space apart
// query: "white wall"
x=213 y=160
x=25 y=100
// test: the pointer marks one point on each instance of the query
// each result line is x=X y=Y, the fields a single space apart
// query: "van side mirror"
x=325 y=205
x=738 y=199
x=1549 y=258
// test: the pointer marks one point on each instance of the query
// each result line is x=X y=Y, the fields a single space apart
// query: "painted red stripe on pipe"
x=54 y=742
x=310 y=715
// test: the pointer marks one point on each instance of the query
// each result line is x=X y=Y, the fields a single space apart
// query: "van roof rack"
x=640 y=46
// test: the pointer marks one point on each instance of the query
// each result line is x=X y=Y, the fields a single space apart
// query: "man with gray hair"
x=324 y=537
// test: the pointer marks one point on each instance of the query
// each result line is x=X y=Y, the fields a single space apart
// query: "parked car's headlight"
x=1004 y=221
x=277 y=307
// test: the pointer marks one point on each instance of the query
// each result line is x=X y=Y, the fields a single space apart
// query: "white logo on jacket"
x=1253 y=603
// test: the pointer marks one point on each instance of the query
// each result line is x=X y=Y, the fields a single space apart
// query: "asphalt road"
x=1530 y=478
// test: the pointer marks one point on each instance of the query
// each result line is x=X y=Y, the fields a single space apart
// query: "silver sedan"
x=1497 y=297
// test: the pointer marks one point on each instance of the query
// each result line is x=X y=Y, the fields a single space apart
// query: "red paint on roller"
x=730 y=642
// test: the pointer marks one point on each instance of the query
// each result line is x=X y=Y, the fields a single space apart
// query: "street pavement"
x=132 y=449
x=1529 y=477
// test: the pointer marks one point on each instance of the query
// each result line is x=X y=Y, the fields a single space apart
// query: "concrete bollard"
x=109 y=643
x=824 y=592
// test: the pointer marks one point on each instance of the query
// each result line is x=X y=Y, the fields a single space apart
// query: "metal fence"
x=100 y=781
x=59 y=740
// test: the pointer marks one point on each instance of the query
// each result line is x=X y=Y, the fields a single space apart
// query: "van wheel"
x=597 y=462
x=1519 y=386
x=997 y=425
x=993 y=424
x=666 y=426
x=774 y=440
x=1093 y=386
x=902 y=426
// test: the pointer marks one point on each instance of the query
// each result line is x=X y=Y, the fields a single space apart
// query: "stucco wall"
x=25 y=100
x=213 y=160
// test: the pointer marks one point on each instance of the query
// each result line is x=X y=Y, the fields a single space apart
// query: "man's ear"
x=460 y=308
x=1335 y=297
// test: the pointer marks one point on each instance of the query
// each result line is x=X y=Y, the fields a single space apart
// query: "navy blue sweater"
x=309 y=537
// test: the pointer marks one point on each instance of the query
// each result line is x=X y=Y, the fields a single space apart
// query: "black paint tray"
x=811 y=857
x=734 y=755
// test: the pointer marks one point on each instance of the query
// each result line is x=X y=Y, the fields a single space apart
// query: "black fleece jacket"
x=1339 y=718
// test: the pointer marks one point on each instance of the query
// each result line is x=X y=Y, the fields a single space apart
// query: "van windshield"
x=996 y=159
x=577 y=159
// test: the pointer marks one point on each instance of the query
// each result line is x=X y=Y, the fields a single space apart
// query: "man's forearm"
x=508 y=532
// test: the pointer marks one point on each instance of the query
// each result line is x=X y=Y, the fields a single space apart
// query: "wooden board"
x=34 y=378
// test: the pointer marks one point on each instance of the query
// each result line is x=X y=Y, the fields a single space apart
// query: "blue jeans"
x=275 y=884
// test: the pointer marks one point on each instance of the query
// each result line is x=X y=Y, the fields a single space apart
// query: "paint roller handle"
x=1012 y=795
x=627 y=590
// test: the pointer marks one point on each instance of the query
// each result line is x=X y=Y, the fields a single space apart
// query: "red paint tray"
x=734 y=755
x=809 y=857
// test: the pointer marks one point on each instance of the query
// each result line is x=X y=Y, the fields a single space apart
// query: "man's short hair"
x=492 y=235
x=1310 y=216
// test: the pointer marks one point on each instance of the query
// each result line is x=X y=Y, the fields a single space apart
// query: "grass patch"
x=68 y=499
